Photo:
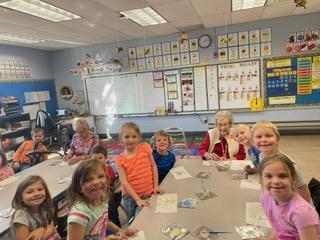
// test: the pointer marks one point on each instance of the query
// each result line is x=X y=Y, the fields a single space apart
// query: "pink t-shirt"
x=5 y=172
x=287 y=219
x=138 y=169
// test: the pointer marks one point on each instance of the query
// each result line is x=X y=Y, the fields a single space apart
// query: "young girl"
x=218 y=143
x=290 y=215
x=164 y=159
x=33 y=218
x=5 y=170
x=266 y=137
x=137 y=171
x=88 y=217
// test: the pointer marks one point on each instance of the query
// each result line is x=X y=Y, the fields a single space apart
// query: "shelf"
x=15 y=131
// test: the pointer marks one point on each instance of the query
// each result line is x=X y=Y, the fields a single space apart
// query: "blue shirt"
x=254 y=155
x=164 y=163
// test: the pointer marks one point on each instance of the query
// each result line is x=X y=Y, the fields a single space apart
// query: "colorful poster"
x=243 y=51
x=158 y=62
x=266 y=49
x=316 y=72
x=133 y=65
x=175 y=47
x=140 y=52
x=184 y=46
x=223 y=54
x=254 y=50
x=132 y=53
x=222 y=41
x=157 y=49
x=193 y=44
x=150 y=63
x=141 y=64
x=175 y=60
x=165 y=48
x=233 y=53
x=185 y=59
x=232 y=39
x=187 y=89
x=148 y=50
x=265 y=34
x=194 y=57
x=254 y=36
x=243 y=38
x=167 y=61
x=304 y=75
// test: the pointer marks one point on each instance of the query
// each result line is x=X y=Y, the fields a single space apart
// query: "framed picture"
x=265 y=34
x=133 y=65
x=140 y=52
x=254 y=36
x=184 y=46
x=141 y=64
x=185 y=59
x=244 y=51
x=175 y=47
x=243 y=38
x=176 y=60
x=132 y=53
x=172 y=95
x=148 y=50
x=222 y=41
x=165 y=48
x=150 y=63
x=171 y=78
x=232 y=39
x=193 y=44
x=157 y=49
x=254 y=50
x=266 y=49
x=167 y=61
x=233 y=53
x=66 y=92
x=194 y=58
x=223 y=54
x=158 y=62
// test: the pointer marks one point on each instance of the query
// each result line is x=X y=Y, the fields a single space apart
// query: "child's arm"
x=51 y=229
x=22 y=232
x=17 y=156
x=121 y=233
x=75 y=231
x=156 y=187
x=128 y=189
x=304 y=192
x=308 y=233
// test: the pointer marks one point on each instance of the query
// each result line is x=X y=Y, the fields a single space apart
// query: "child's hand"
x=249 y=170
x=37 y=234
x=131 y=231
x=112 y=237
x=16 y=165
x=142 y=203
x=158 y=190
x=51 y=229
x=211 y=156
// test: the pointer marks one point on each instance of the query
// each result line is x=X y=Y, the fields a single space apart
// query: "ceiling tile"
x=59 y=29
x=122 y=5
x=187 y=23
x=155 y=2
x=218 y=7
x=30 y=32
x=93 y=39
x=140 y=33
x=216 y=20
x=277 y=10
x=8 y=27
x=247 y=15
x=162 y=29
x=170 y=11
x=85 y=25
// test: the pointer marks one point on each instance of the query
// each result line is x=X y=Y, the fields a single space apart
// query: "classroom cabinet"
x=14 y=129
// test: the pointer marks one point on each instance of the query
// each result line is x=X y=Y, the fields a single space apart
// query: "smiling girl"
x=33 y=218
x=88 y=194
x=290 y=216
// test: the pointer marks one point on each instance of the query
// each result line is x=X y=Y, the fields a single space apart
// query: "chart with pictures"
x=245 y=44
x=162 y=55
x=292 y=80
x=238 y=83
x=301 y=41
x=187 y=89
x=14 y=69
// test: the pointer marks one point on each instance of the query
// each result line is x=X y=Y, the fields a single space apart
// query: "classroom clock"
x=256 y=104
x=204 y=41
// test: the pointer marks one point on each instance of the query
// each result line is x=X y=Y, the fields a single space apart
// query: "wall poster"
x=187 y=87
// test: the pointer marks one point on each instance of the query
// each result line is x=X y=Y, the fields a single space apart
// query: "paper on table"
x=180 y=173
x=207 y=163
x=6 y=213
x=9 y=180
x=239 y=164
x=252 y=183
x=138 y=236
x=255 y=215
x=64 y=179
x=167 y=203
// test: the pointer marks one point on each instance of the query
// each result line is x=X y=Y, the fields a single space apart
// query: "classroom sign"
x=292 y=80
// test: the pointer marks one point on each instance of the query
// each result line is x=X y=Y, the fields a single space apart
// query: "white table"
x=47 y=172
x=225 y=211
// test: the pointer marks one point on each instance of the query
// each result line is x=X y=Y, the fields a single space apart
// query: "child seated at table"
x=5 y=170
x=100 y=153
x=163 y=157
x=20 y=159
x=242 y=135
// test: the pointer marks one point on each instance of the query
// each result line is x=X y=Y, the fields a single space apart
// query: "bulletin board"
x=238 y=83
x=292 y=81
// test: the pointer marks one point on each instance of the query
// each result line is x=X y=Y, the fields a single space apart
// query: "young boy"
x=163 y=158
x=100 y=153
x=242 y=134
x=20 y=159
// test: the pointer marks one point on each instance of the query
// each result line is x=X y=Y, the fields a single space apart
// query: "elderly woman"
x=218 y=143
x=82 y=142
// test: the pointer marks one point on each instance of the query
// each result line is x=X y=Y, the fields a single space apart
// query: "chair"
x=179 y=141
x=50 y=127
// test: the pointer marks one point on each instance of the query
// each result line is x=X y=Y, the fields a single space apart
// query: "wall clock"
x=204 y=41
x=256 y=104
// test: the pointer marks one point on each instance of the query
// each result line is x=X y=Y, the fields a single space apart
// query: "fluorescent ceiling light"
x=40 y=9
x=144 y=16
x=246 y=4
x=19 y=39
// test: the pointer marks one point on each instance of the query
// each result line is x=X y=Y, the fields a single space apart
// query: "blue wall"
x=41 y=75
x=63 y=60
x=18 y=88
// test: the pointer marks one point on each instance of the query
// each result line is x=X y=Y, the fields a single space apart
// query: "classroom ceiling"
x=100 y=22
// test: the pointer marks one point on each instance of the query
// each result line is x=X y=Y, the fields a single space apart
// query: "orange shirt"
x=138 y=169
x=26 y=147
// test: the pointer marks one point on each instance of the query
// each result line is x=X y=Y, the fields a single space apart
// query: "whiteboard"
x=32 y=110
x=123 y=94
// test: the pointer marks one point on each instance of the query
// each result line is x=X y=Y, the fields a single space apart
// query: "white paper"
x=138 y=236
x=252 y=183
x=6 y=213
x=180 y=173
x=64 y=179
x=9 y=180
x=200 y=88
x=240 y=164
x=167 y=203
x=255 y=215
x=43 y=96
x=207 y=162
